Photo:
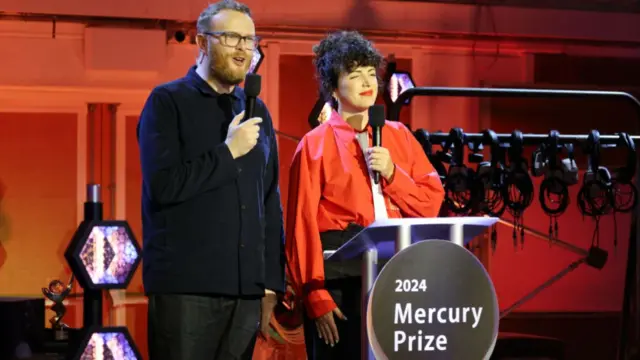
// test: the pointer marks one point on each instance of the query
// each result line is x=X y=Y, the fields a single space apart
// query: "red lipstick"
x=366 y=93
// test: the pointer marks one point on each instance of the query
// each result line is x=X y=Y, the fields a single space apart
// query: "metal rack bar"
x=528 y=139
x=508 y=93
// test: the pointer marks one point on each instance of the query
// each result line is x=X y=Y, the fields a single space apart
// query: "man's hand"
x=326 y=326
x=241 y=138
x=379 y=159
x=268 y=302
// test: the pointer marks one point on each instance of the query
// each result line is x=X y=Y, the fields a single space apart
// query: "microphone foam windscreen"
x=376 y=116
x=252 y=84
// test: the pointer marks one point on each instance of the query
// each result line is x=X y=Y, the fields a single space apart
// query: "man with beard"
x=212 y=218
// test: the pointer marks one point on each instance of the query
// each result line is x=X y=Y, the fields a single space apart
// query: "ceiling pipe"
x=315 y=33
x=575 y=5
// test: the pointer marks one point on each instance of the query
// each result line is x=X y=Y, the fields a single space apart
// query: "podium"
x=384 y=238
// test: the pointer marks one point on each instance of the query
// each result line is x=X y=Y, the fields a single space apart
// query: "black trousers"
x=198 y=327
x=346 y=294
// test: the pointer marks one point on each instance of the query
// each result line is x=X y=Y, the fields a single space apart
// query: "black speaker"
x=21 y=327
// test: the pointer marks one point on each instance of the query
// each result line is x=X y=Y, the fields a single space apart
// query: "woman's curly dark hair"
x=342 y=51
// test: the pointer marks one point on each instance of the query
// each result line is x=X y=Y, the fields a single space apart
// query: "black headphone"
x=490 y=190
x=625 y=193
x=518 y=185
x=553 y=183
x=459 y=181
x=520 y=189
x=595 y=197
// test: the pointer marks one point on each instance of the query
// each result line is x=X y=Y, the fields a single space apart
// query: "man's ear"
x=202 y=43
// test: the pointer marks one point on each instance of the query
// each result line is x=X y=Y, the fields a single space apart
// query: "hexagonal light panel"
x=400 y=82
x=258 y=56
x=103 y=254
x=108 y=343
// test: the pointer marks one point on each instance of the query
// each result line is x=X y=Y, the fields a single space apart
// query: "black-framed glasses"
x=232 y=39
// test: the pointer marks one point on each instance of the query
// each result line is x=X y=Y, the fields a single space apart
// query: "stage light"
x=399 y=82
x=179 y=36
x=258 y=57
x=106 y=343
x=103 y=254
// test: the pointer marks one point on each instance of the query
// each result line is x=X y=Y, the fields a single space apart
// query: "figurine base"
x=60 y=341
x=61 y=334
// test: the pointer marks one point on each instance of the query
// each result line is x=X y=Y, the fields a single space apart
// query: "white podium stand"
x=385 y=238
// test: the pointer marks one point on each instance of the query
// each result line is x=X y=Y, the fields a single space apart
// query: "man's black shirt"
x=211 y=224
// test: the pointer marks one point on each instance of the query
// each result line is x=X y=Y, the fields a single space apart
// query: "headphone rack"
x=629 y=339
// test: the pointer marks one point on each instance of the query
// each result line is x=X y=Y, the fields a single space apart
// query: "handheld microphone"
x=376 y=121
x=252 y=84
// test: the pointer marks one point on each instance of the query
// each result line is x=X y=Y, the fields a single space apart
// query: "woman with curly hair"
x=332 y=196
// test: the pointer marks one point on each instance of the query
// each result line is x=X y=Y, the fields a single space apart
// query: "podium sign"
x=433 y=300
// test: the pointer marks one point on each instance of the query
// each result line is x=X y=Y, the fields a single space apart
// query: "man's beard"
x=227 y=74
